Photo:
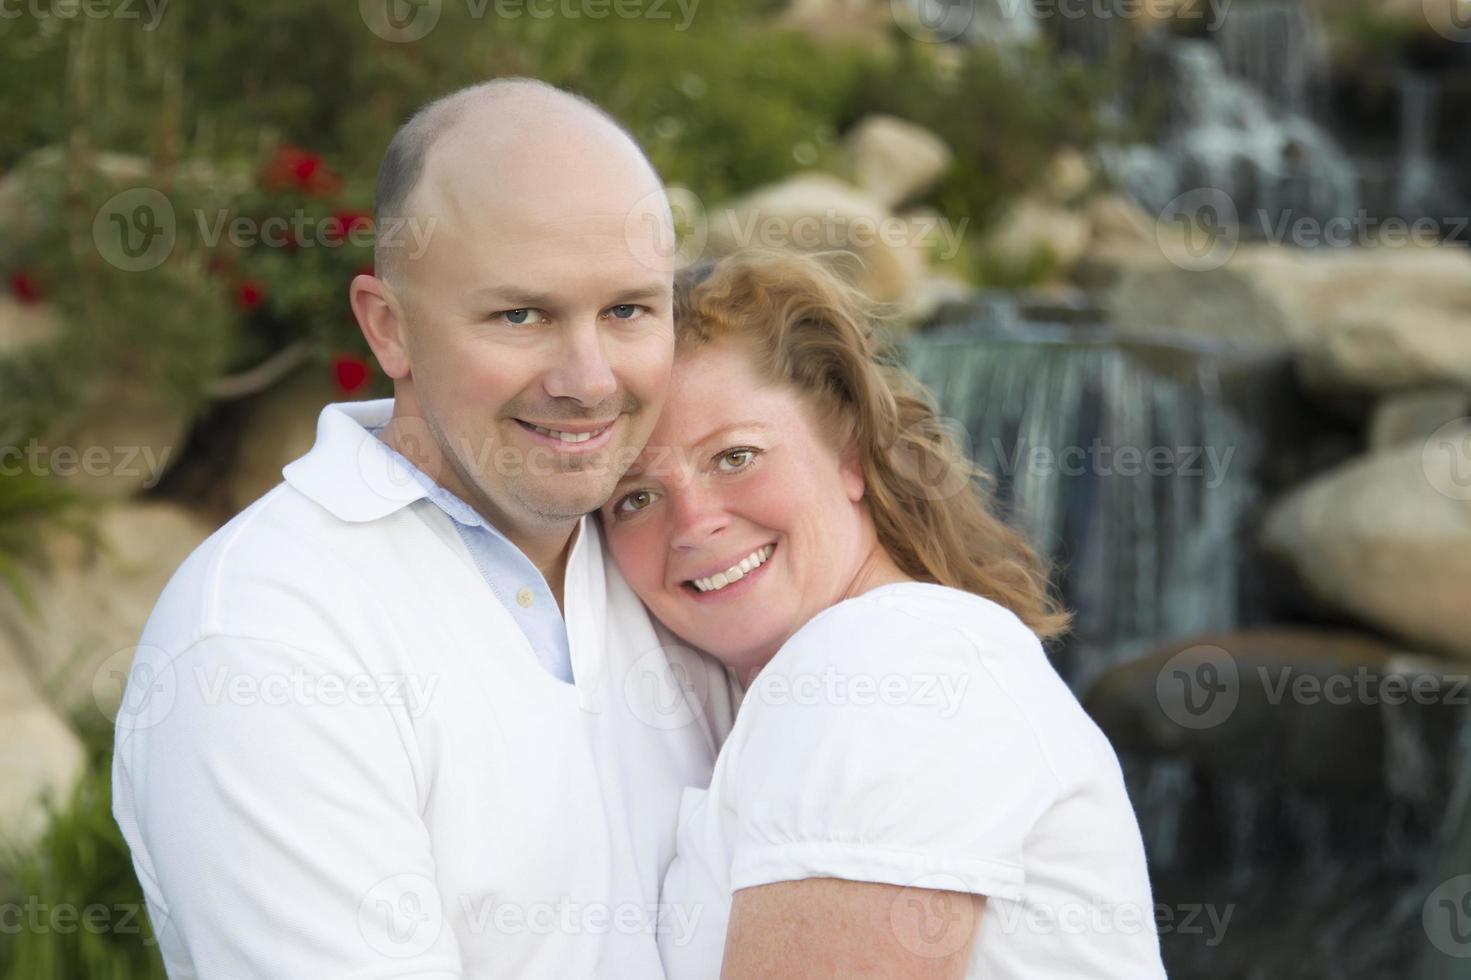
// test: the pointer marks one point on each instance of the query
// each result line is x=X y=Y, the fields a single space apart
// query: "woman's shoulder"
x=915 y=620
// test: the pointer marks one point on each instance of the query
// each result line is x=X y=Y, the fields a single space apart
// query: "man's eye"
x=635 y=501
x=735 y=459
x=522 y=318
x=626 y=311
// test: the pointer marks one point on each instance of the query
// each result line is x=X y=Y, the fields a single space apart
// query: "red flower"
x=249 y=295
x=343 y=223
x=351 y=372
x=293 y=167
x=24 y=287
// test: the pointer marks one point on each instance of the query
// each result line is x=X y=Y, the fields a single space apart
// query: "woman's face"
x=739 y=522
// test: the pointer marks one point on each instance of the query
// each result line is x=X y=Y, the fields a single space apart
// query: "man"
x=398 y=718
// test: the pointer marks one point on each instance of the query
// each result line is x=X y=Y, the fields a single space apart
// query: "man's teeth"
x=567 y=436
x=735 y=572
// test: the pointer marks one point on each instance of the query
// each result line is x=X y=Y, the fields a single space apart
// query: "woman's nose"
x=699 y=514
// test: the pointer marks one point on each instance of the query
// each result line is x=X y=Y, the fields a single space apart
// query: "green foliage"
x=81 y=909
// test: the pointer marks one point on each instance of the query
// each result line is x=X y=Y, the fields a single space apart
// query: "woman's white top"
x=918 y=736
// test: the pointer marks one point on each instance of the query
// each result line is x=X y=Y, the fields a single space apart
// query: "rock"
x=895 y=161
x=279 y=426
x=1034 y=231
x=42 y=759
x=1068 y=177
x=815 y=212
x=1325 y=710
x=868 y=23
x=1115 y=218
x=92 y=600
x=24 y=325
x=119 y=443
x=1387 y=538
x=1413 y=416
x=1218 y=304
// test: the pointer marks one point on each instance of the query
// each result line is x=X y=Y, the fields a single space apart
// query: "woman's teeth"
x=735 y=572
x=567 y=436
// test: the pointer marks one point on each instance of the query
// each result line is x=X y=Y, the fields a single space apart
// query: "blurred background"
x=1190 y=277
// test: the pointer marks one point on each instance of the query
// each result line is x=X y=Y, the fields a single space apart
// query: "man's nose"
x=582 y=371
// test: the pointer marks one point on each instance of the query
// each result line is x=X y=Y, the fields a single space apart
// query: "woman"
x=909 y=789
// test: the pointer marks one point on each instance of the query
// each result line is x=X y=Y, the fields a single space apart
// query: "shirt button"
x=524 y=598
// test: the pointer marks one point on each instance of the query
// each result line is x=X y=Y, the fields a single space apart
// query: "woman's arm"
x=828 y=927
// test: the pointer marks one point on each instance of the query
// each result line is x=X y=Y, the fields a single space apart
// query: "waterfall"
x=1418 y=174
x=1118 y=460
x=1222 y=134
x=1274 y=46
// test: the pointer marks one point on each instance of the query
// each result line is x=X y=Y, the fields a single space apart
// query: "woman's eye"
x=626 y=311
x=633 y=502
x=735 y=459
x=522 y=318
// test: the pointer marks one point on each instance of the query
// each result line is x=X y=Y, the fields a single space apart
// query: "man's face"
x=541 y=337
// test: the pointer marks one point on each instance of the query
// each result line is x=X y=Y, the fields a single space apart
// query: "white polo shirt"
x=339 y=757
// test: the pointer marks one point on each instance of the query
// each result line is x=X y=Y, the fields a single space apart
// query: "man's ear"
x=380 y=316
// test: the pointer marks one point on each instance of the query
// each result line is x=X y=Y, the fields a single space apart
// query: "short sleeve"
x=884 y=746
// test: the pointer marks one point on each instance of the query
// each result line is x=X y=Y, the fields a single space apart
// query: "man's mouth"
x=569 y=433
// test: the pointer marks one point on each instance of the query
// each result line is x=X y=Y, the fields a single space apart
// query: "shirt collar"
x=348 y=471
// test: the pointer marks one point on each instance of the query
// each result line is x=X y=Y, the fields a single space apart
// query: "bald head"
x=502 y=138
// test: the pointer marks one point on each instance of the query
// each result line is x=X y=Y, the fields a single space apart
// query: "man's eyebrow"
x=514 y=297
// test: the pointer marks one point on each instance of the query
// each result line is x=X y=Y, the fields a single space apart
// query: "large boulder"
x=279 y=426
x=91 y=598
x=1035 y=232
x=24 y=325
x=41 y=759
x=120 y=441
x=894 y=160
x=815 y=212
x=1387 y=538
x=1316 y=709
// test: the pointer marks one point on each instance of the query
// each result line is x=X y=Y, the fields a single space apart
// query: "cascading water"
x=1275 y=47
x=1222 y=134
x=1118 y=459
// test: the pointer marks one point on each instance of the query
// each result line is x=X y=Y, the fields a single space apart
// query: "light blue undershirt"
x=508 y=572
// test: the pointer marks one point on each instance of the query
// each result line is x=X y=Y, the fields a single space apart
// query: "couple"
x=645 y=632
